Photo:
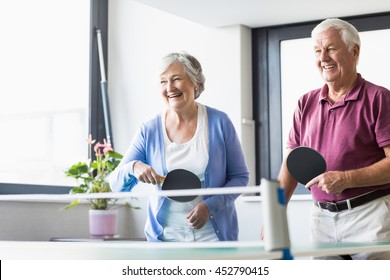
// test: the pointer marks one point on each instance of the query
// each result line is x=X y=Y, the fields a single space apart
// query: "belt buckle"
x=333 y=204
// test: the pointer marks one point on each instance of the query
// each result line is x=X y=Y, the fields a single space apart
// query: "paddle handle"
x=162 y=179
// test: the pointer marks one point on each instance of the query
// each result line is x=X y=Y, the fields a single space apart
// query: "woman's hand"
x=146 y=174
x=199 y=216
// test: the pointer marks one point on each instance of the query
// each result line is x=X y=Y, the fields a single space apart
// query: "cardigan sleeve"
x=146 y=146
x=227 y=166
x=122 y=179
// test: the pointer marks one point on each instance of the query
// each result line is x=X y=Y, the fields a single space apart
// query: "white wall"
x=250 y=219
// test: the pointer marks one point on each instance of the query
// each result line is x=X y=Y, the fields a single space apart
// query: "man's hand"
x=332 y=182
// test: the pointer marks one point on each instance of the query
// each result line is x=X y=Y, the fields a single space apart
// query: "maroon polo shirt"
x=350 y=134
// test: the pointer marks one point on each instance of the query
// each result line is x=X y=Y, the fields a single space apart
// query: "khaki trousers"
x=369 y=222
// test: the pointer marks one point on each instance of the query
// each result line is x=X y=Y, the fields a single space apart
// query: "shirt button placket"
x=331 y=116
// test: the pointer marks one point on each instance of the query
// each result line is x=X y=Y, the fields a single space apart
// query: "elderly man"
x=348 y=122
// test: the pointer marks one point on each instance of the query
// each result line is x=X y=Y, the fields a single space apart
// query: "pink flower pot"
x=103 y=223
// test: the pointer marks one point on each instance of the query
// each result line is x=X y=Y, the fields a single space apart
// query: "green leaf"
x=72 y=204
x=77 y=170
x=99 y=203
x=92 y=178
x=128 y=205
x=94 y=164
x=114 y=155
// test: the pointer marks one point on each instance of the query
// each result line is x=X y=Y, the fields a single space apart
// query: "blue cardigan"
x=226 y=168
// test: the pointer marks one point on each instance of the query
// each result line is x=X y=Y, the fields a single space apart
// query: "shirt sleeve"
x=382 y=127
x=294 y=135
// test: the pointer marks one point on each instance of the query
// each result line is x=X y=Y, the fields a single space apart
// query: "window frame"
x=267 y=85
x=98 y=20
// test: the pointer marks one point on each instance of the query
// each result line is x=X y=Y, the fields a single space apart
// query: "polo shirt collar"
x=353 y=94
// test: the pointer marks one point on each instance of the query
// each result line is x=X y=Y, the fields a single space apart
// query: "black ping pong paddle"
x=305 y=163
x=180 y=179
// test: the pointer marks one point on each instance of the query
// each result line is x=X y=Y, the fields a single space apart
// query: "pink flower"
x=90 y=140
x=97 y=147
x=107 y=146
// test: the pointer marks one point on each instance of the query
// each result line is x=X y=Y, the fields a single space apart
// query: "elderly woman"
x=191 y=136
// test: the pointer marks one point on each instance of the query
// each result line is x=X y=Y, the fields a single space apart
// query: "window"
x=277 y=86
x=49 y=97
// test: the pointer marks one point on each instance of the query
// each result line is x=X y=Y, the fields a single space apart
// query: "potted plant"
x=92 y=177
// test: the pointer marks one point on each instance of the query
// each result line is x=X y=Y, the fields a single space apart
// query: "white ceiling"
x=259 y=13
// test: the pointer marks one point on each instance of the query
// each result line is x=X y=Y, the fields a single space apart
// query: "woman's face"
x=177 y=88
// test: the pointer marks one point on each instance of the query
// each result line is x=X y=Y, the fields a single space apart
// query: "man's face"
x=335 y=63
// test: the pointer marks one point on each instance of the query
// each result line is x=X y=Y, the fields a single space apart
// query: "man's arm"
x=373 y=175
x=286 y=181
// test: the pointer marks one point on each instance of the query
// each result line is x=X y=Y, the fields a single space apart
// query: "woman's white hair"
x=191 y=66
x=348 y=32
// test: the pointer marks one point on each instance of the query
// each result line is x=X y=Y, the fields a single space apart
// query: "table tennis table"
x=141 y=250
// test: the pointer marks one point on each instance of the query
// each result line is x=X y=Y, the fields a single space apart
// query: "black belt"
x=353 y=202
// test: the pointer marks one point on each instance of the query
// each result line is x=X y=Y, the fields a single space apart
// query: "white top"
x=192 y=155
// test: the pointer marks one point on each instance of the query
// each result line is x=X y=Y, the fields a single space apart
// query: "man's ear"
x=356 y=51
